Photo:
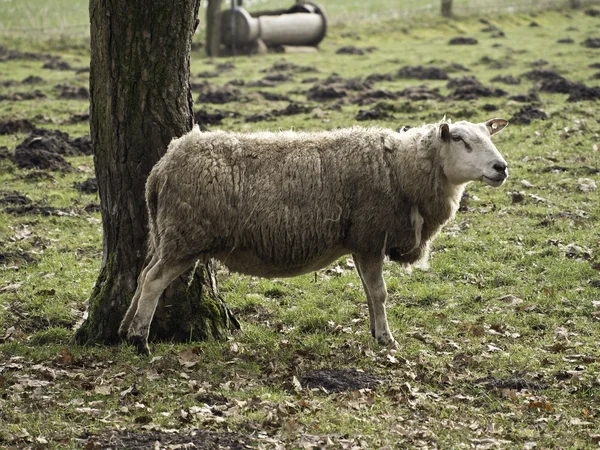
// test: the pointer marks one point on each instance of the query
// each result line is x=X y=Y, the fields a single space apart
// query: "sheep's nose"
x=500 y=167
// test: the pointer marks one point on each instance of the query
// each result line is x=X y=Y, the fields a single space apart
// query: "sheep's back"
x=288 y=198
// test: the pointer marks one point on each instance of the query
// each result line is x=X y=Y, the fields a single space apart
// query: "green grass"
x=455 y=323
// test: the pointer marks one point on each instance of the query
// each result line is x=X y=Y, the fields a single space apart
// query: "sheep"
x=288 y=203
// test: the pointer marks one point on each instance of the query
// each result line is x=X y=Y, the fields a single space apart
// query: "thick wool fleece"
x=286 y=203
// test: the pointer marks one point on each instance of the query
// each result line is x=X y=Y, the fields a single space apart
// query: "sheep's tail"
x=152 y=190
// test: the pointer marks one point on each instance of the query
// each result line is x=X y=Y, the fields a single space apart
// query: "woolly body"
x=283 y=204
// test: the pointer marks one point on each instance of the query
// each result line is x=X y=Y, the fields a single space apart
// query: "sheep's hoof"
x=140 y=344
x=123 y=330
x=388 y=341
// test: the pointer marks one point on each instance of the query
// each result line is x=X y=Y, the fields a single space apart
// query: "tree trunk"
x=575 y=3
x=140 y=99
x=447 y=8
x=213 y=27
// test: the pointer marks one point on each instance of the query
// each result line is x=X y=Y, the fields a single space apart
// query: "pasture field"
x=498 y=339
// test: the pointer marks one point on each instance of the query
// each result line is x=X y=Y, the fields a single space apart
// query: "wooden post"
x=213 y=27
x=447 y=8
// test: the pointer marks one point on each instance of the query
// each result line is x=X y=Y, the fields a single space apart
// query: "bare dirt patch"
x=506 y=79
x=19 y=96
x=340 y=380
x=56 y=141
x=15 y=126
x=469 y=88
x=422 y=92
x=204 y=439
x=514 y=382
x=422 y=73
x=463 y=40
x=528 y=114
x=352 y=50
x=57 y=64
x=219 y=94
x=70 y=92
x=591 y=43
x=89 y=186
x=203 y=117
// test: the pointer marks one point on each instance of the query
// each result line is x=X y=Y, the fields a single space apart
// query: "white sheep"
x=287 y=203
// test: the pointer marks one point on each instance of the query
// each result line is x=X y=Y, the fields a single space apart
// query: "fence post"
x=213 y=27
x=447 y=8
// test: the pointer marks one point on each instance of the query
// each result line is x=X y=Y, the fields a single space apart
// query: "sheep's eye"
x=457 y=138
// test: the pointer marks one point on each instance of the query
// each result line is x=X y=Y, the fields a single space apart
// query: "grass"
x=508 y=298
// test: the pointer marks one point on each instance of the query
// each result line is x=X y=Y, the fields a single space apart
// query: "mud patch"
x=422 y=73
x=531 y=97
x=56 y=141
x=591 y=43
x=592 y=12
x=290 y=67
x=38 y=210
x=462 y=81
x=278 y=77
x=292 y=109
x=274 y=97
x=57 y=64
x=422 y=92
x=69 y=92
x=203 y=117
x=352 y=50
x=208 y=74
x=376 y=77
x=16 y=258
x=542 y=74
x=89 y=186
x=513 y=382
x=528 y=114
x=577 y=91
x=261 y=117
x=7 y=55
x=469 y=88
x=219 y=94
x=463 y=40
x=373 y=95
x=204 y=439
x=26 y=158
x=19 y=96
x=14 y=198
x=336 y=87
x=376 y=113
x=506 y=79
x=16 y=126
x=340 y=380
x=33 y=79
x=565 y=41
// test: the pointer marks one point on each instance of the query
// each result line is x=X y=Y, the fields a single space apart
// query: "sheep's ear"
x=444 y=132
x=496 y=125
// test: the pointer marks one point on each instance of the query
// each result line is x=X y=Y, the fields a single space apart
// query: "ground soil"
x=340 y=380
x=89 y=186
x=15 y=126
x=422 y=73
x=200 y=439
x=506 y=79
x=462 y=40
x=528 y=114
x=422 y=92
x=219 y=94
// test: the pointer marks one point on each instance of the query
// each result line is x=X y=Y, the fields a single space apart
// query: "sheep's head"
x=468 y=153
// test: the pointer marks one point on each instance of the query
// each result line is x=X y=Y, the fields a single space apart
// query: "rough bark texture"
x=213 y=27
x=447 y=8
x=140 y=99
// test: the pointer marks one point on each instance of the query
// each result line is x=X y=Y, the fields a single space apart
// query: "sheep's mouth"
x=494 y=182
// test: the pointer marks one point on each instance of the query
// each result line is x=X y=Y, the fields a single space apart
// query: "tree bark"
x=447 y=8
x=213 y=27
x=140 y=98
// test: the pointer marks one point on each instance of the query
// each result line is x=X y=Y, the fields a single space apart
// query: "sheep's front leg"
x=370 y=270
x=369 y=302
x=155 y=282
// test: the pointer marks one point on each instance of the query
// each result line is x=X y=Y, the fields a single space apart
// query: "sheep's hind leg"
x=155 y=282
x=369 y=301
x=126 y=322
x=371 y=270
